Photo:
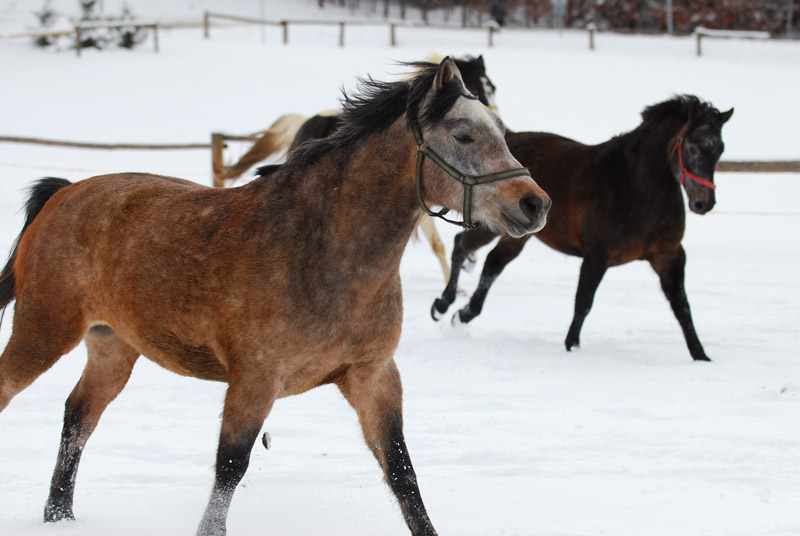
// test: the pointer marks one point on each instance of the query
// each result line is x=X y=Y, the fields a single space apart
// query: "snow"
x=509 y=433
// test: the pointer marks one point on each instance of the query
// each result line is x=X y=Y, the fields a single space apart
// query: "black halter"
x=467 y=180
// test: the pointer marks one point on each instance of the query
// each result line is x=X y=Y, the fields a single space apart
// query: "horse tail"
x=277 y=137
x=41 y=191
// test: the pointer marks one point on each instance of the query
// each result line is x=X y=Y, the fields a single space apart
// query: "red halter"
x=685 y=172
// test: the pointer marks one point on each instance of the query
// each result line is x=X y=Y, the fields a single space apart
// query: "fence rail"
x=761 y=166
x=109 y=146
x=701 y=32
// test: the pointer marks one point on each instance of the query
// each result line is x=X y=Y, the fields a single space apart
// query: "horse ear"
x=480 y=61
x=447 y=72
x=726 y=115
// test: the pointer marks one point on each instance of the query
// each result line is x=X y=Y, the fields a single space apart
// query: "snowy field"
x=509 y=433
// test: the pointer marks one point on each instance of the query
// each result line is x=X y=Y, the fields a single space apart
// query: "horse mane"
x=683 y=107
x=376 y=105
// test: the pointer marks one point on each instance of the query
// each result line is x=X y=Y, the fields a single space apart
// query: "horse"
x=613 y=203
x=263 y=286
x=289 y=131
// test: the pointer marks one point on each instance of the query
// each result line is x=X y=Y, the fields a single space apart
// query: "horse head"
x=696 y=151
x=469 y=167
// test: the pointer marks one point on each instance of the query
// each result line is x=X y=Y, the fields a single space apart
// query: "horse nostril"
x=699 y=206
x=531 y=206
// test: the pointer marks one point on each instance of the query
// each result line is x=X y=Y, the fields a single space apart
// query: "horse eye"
x=463 y=138
x=693 y=151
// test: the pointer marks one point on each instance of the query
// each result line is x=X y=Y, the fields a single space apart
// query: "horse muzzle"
x=701 y=205
x=532 y=217
x=701 y=199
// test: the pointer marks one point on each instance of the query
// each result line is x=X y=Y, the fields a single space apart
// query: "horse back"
x=135 y=252
x=604 y=201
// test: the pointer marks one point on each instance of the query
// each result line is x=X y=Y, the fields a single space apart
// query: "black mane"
x=683 y=107
x=377 y=105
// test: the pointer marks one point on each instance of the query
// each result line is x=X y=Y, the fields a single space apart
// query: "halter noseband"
x=685 y=172
x=468 y=181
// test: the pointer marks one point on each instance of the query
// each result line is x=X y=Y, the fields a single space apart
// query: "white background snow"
x=509 y=433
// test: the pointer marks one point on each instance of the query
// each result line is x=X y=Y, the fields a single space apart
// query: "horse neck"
x=358 y=204
x=648 y=151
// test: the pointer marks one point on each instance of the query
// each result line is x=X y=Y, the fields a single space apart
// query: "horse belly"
x=195 y=360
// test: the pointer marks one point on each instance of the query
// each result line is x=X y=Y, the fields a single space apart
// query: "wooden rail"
x=701 y=32
x=89 y=145
x=776 y=166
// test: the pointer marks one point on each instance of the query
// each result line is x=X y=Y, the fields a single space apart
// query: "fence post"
x=155 y=36
x=341 y=34
x=285 y=24
x=491 y=36
x=392 y=36
x=217 y=165
x=591 y=27
x=699 y=50
x=78 y=40
x=206 y=24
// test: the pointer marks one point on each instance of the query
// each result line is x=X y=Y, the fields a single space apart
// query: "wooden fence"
x=284 y=24
x=701 y=32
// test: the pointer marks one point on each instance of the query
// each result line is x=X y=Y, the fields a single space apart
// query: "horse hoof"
x=438 y=309
x=702 y=357
x=572 y=344
x=54 y=513
x=461 y=318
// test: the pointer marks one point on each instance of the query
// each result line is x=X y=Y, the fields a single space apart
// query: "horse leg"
x=464 y=244
x=247 y=403
x=592 y=271
x=503 y=253
x=670 y=267
x=375 y=392
x=429 y=230
x=109 y=365
x=36 y=343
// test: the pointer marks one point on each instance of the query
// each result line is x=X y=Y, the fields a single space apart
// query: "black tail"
x=41 y=191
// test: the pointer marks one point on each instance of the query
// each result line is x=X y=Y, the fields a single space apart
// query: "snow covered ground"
x=509 y=433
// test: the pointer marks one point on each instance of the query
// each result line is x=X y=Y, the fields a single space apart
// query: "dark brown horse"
x=613 y=203
x=262 y=287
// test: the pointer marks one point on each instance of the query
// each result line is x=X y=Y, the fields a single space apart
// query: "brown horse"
x=613 y=203
x=264 y=286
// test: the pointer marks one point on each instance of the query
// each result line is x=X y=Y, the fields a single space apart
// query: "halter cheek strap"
x=468 y=181
x=685 y=172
